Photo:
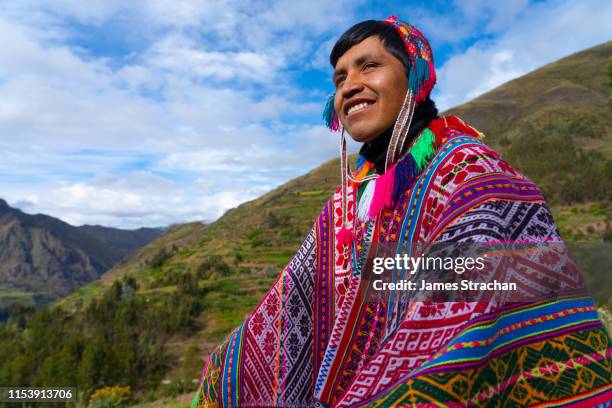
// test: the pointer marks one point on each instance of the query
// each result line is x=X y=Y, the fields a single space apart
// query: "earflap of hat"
x=330 y=117
x=422 y=75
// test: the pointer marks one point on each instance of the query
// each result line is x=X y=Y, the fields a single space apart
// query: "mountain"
x=45 y=256
x=149 y=320
x=571 y=94
x=122 y=242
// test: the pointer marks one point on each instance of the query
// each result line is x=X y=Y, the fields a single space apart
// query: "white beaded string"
x=400 y=124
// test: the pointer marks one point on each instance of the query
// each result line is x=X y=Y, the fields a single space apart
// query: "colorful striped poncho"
x=315 y=340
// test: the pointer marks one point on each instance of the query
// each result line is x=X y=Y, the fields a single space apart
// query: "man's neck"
x=376 y=151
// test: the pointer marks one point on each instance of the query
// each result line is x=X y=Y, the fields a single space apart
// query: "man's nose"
x=352 y=85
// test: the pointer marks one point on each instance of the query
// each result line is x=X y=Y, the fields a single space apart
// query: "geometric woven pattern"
x=316 y=339
x=544 y=368
x=277 y=354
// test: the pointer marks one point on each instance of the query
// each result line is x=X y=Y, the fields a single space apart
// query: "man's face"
x=370 y=89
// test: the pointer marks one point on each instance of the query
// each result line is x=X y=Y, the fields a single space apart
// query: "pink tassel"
x=383 y=193
x=335 y=125
x=345 y=236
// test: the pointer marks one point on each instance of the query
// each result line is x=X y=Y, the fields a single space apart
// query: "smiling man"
x=319 y=337
x=371 y=86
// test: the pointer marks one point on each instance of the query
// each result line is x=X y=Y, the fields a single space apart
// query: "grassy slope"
x=573 y=89
x=258 y=237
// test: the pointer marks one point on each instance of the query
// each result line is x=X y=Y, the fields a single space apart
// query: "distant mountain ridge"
x=44 y=255
x=123 y=241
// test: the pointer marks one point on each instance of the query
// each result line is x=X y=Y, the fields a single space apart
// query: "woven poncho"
x=317 y=339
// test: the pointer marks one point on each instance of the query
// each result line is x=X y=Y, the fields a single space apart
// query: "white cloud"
x=135 y=199
x=178 y=55
x=544 y=33
x=457 y=21
x=205 y=112
x=127 y=200
x=321 y=55
x=74 y=128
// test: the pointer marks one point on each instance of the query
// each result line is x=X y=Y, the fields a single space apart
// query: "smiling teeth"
x=358 y=107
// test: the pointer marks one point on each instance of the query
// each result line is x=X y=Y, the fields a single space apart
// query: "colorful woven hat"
x=421 y=74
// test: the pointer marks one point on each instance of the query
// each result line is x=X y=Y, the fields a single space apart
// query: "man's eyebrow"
x=337 y=72
x=363 y=58
x=359 y=61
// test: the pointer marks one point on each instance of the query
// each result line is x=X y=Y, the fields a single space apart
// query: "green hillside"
x=554 y=124
x=149 y=322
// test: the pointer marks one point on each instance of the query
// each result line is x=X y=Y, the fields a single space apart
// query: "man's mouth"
x=358 y=106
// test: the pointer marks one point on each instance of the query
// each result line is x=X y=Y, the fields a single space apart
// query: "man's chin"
x=364 y=136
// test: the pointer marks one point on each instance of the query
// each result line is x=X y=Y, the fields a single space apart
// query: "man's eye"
x=369 y=65
x=339 y=82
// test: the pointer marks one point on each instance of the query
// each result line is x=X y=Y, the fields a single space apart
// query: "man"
x=319 y=337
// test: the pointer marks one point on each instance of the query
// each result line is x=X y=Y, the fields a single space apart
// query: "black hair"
x=360 y=31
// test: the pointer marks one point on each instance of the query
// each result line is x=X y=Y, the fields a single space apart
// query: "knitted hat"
x=421 y=75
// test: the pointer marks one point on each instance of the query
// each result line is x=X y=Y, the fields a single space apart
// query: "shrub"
x=273 y=220
x=111 y=397
x=160 y=258
x=607 y=235
x=212 y=264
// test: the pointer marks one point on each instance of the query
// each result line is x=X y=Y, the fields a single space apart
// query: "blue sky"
x=148 y=113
